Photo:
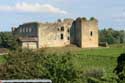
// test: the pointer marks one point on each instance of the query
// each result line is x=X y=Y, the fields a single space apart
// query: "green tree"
x=7 y=40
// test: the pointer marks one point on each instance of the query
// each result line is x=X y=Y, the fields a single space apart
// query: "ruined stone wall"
x=78 y=32
x=84 y=33
x=54 y=34
x=31 y=45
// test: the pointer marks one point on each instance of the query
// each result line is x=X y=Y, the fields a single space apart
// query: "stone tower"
x=84 y=33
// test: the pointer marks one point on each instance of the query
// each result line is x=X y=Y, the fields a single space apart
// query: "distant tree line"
x=112 y=36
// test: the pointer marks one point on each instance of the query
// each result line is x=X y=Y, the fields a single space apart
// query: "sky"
x=110 y=13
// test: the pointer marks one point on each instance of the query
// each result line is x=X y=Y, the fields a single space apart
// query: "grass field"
x=98 y=58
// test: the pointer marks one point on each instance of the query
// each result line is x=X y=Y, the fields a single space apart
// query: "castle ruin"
x=81 y=32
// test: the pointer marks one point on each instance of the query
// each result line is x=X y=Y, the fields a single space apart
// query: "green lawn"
x=102 y=58
x=98 y=58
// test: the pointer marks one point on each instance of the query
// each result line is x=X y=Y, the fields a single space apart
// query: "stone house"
x=81 y=32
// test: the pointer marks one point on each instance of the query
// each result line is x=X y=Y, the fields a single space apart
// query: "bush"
x=95 y=73
x=120 y=68
x=28 y=64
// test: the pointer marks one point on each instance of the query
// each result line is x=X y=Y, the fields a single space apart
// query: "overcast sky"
x=110 y=13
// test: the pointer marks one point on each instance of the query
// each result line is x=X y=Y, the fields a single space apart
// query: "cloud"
x=34 y=8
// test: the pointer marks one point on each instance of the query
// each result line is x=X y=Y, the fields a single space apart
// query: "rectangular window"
x=30 y=29
x=68 y=30
x=91 y=33
x=61 y=36
x=27 y=29
x=23 y=29
x=20 y=29
x=62 y=28
x=68 y=38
